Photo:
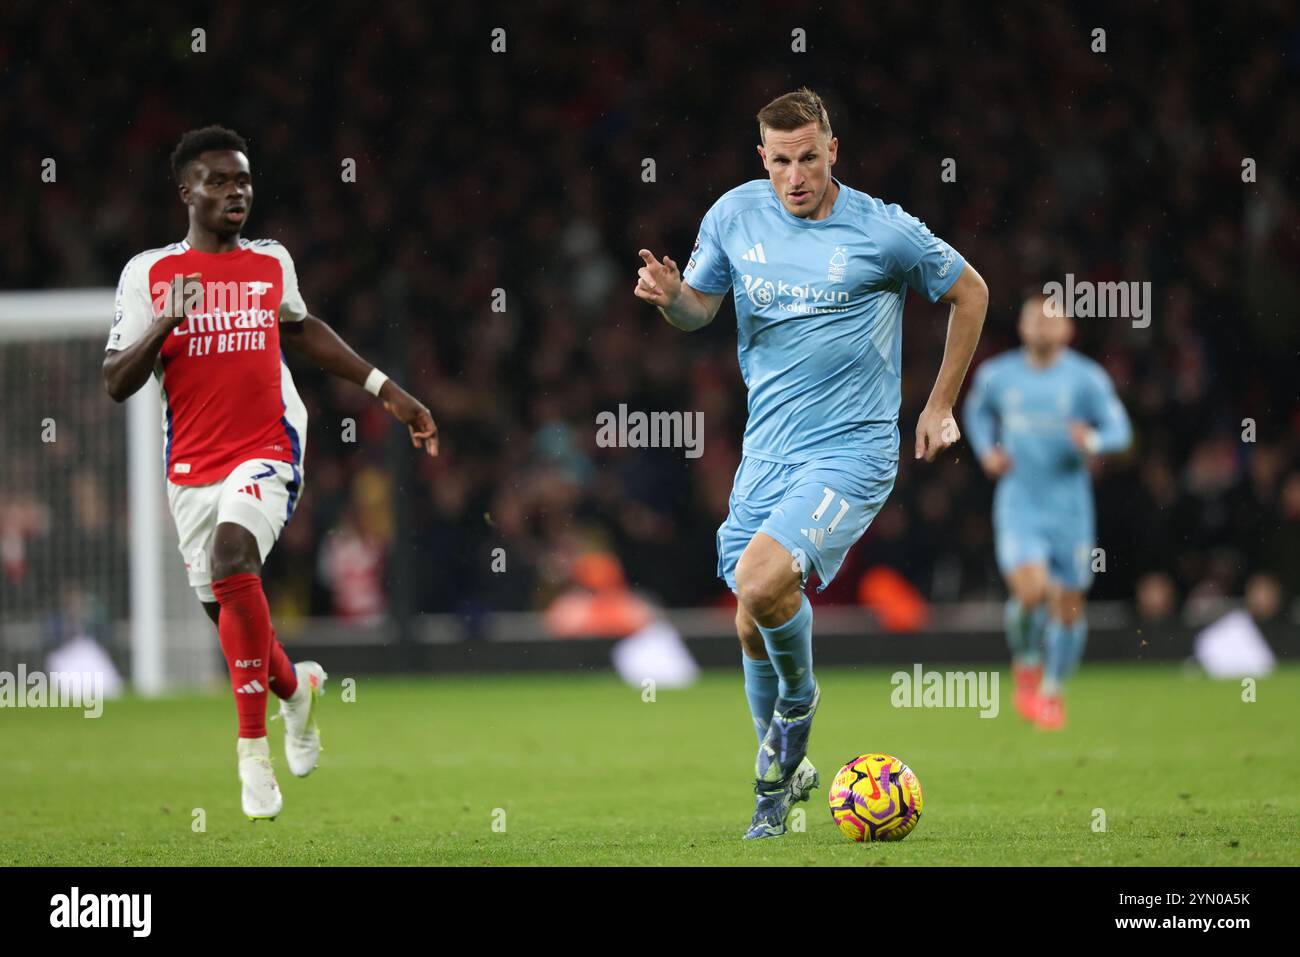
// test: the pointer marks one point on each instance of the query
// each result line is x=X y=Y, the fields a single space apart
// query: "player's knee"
x=1030 y=590
x=1069 y=609
x=225 y=568
x=235 y=559
x=761 y=595
x=1032 y=597
x=753 y=593
x=234 y=552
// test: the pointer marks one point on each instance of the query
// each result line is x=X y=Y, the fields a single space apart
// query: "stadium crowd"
x=524 y=171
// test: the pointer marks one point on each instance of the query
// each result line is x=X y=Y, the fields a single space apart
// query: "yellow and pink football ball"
x=876 y=797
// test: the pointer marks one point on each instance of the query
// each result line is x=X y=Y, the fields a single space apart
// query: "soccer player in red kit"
x=207 y=317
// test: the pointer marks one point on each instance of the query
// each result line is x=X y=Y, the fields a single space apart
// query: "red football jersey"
x=227 y=394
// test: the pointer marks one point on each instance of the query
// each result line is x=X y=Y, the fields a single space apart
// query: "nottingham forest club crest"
x=836 y=267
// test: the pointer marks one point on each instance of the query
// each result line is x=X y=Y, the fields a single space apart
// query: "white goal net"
x=87 y=547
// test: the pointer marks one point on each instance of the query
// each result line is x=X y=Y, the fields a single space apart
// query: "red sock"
x=244 y=627
x=284 y=680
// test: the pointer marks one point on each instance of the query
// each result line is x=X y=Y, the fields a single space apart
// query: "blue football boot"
x=785 y=775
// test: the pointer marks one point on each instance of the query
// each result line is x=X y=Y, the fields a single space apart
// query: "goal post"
x=87 y=540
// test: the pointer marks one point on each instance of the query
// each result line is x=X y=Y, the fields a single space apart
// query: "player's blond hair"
x=793 y=110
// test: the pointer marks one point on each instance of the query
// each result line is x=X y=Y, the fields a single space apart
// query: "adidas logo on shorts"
x=815 y=535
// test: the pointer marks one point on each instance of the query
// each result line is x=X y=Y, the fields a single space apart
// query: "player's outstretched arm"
x=937 y=428
x=660 y=283
x=315 y=341
x=125 y=370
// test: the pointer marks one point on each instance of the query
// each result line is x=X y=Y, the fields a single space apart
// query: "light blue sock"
x=1064 y=647
x=789 y=648
x=1025 y=632
x=760 y=689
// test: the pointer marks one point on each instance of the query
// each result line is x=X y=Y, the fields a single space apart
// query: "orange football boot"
x=1050 y=714
x=1025 y=698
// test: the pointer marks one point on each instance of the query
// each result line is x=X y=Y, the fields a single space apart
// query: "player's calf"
x=1025 y=617
x=751 y=639
x=769 y=588
x=1066 y=637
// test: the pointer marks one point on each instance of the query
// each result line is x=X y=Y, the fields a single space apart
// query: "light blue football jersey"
x=819 y=310
x=1027 y=410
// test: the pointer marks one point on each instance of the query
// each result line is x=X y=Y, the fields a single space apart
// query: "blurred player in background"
x=207 y=317
x=819 y=272
x=1036 y=416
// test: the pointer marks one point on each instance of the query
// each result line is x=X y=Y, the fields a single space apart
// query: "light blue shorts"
x=817 y=510
x=1060 y=539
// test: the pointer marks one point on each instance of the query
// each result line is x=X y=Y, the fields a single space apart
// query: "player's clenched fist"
x=996 y=462
x=183 y=296
x=936 y=430
x=658 y=283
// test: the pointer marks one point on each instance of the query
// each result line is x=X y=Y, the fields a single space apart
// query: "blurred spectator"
x=1263 y=597
x=352 y=565
x=600 y=603
x=1157 y=598
x=895 y=601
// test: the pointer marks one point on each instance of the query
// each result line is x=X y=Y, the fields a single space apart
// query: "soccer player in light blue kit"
x=819 y=272
x=1035 y=416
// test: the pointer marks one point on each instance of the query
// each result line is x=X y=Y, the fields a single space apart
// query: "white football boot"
x=261 y=795
x=301 y=736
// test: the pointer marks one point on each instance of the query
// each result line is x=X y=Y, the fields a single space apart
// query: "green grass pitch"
x=587 y=772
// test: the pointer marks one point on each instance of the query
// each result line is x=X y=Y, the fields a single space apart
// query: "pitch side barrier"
x=518 y=642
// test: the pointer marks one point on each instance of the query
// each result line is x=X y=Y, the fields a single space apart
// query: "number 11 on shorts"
x=829 y=496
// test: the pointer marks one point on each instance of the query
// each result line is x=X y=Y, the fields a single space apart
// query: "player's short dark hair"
x=793 y=110
x=199 y=141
